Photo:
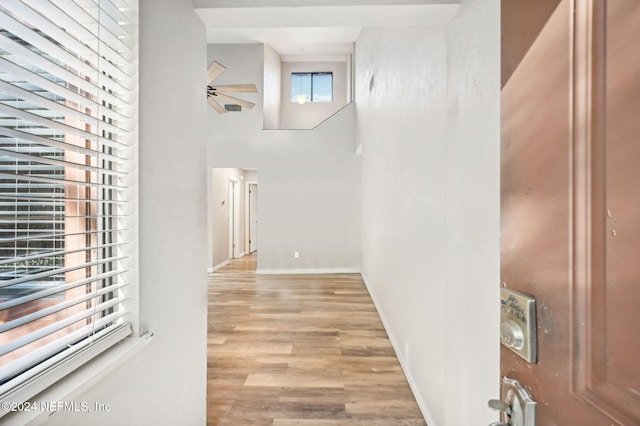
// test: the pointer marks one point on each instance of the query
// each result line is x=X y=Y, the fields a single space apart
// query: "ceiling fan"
x=216 y=93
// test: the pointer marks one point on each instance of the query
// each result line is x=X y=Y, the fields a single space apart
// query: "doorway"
x=229 y=212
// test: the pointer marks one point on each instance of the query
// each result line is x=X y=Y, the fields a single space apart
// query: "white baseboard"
x=241 y=254
x=414 y=388
x=218 y=266
x=308 y=271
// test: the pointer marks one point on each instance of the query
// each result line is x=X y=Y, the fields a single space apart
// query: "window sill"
x=71 y=385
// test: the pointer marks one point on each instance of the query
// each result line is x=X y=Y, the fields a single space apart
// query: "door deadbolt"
x=518 y=323
x=511 y=334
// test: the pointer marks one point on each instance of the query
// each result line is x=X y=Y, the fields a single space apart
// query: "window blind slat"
x=21 y=74
x=60 y=108
x=31 y=178
x=12 y=216
x=45 y=331
x=52 y=162
x=57 y=271
x=36 y=40
x=37 y=16
x=57 y=289
x=35 y=60
x=42 y=313
x=52 y=198
x=114 y=12
x=12 y=112
x=108 y=22
x=71 y=78
x=12 y=133
x=89 y=43
x=51 y=352
x=44 y=255
x=82 y=17
x=43 y=236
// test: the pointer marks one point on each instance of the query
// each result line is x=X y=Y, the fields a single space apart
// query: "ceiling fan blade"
x=214 y=71
x=237 y=88
x=236 y=101
x=216 y=105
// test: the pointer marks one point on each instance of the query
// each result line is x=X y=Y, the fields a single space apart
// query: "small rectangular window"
x=311 y=87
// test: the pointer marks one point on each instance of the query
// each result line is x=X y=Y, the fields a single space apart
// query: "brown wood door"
x=571 y=203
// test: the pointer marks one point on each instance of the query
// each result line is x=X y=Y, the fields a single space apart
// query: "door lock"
x=516 y=405
x=511 y=334
x=518 y=323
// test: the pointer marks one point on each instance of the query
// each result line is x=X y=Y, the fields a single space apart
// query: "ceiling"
x=313 y=28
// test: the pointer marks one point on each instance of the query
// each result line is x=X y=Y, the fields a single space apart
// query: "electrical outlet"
x=296 y=254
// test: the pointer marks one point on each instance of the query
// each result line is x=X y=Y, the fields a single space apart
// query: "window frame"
x=311 y=93
x=111 y=96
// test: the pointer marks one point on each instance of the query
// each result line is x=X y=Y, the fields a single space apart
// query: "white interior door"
x=253 y=217
x=234 y=222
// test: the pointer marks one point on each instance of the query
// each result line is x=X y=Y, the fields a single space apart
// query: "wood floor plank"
x=306 y=350
x=293 y=380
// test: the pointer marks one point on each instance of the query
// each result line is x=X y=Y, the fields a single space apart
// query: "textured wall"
x=272 y=96
x=428 y=123
x=473 y=213
x=401 y=109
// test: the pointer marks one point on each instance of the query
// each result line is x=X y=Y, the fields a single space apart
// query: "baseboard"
x=241 y=254
x=425 y=411
x=218 y=266
x=308 y=271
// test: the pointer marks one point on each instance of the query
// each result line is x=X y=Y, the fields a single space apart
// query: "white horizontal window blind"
x=67 y=111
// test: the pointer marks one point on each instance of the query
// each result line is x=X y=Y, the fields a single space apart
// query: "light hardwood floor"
x=305 y=350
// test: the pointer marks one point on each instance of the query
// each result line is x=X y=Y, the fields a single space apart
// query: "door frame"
x=234 y=217
x=247 y=215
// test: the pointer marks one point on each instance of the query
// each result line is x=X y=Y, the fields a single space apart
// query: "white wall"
x=272 y=88
x=309 y=194
x=310 y=114
x=165 y=383
x=473 y=212
x=402 y=127
x=429 y=130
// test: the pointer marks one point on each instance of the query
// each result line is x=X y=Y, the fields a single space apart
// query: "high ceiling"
x=313 y=27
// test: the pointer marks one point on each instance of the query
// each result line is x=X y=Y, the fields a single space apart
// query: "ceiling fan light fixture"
x=215 y=92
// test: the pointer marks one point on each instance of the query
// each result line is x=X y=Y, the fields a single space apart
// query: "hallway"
x=300 y=350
